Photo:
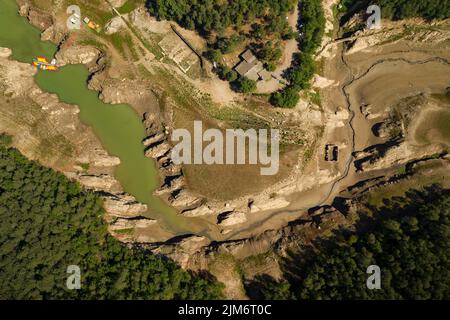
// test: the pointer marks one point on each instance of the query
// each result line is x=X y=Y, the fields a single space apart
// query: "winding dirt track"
x=344 y=89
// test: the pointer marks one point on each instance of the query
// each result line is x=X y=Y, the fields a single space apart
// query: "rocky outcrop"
x=102 y=182
x=53 y=34
x=381 y=157
x=184 y=249
x=157 y=151
x=114 y=25
x=128 y=230
x=385 y=129
x=5 y=52
x=89 y=163
x=269 y=204
x=231 y=218
x=184 y=199
x=123 y=224
x=154 y=139
x=124 y=206
x=38 y=18
x=77 y=55
x=199 y=211
x=392 y=31
x=171 y=185
x=100 y=158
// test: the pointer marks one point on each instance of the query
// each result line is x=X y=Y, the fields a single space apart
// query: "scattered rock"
x=184 y=199
x=183 y=250
x=100 y=182
x=321 y=82
x=101 y=159
x=153 y=139
x=53 y=34
x=269 y=204
x=114 y=25
x=123 y=205
x=200 y=211
x=41 y=20
x=158 y=150
x=231 y=218
x=123 y=224
x=5 y=52
x=173 y=184
x=77 y=55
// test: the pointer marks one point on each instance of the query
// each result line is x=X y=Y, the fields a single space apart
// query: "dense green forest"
x=209 y=16
x=311 y=26
x=408 y=238
x=48 y=223
x=428 y=9
x=401 y=9
x=228 y=25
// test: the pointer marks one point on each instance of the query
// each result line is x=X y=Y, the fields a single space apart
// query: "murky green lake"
x=118 y=127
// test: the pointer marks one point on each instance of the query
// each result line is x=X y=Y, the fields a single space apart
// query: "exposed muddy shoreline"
x=302 y=202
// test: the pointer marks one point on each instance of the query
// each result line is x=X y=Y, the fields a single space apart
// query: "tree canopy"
x=428 y=9
x=408 y=238
x=312 y=25
x=215 y=16
x=49 y=222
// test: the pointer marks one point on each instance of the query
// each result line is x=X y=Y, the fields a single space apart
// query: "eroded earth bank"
x=381 y=126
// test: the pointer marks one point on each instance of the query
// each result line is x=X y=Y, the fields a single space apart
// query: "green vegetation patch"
x=434 y=128
x=400 y=9
x=303 y=68
x=49 y=223
x=232 y=26
x=408 y=238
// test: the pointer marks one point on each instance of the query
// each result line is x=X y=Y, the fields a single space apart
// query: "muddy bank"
x=278 y=217
x=86 y=161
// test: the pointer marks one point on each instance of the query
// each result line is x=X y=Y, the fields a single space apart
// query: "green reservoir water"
x=118 y=127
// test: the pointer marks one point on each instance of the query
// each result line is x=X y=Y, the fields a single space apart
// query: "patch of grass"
x=129 y=6
x=5 y=140
x=84 y=166
x=89 y=41
x=419 y=181
x=118 y=40
x=434 y=128
x=320 y=66
x=402 y=171
x=315 y=98
x=127 y=231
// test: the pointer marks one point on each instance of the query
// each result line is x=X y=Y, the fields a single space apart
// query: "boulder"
x=183 y=250
x=231 y=218
x=270 y=204
x=152 y=139
x=5 y=52
x=52 y=34
x=97 y=182
x=123 y=224
x=175 y=184
x=200 y=211
x=124 y=206
x=184 y=199
x=114 y=25
x=158 y=151
x=41 y=20
x=101 y=159
x=77 y=55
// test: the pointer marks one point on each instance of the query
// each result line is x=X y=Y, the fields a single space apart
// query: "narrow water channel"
x=118 y=127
